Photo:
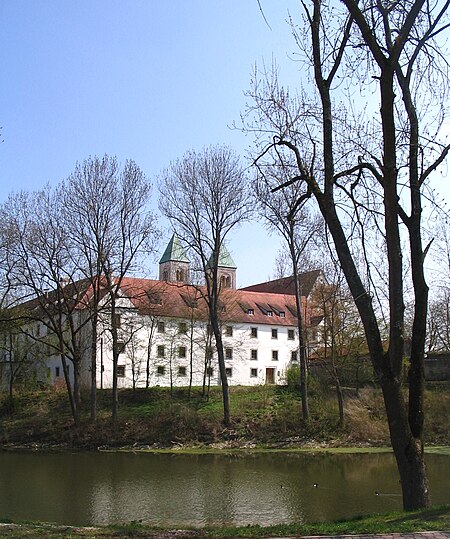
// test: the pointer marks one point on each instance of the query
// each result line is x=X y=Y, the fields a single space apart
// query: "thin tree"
x=285 y=212
x=205 y=196
x=113 y=228
x=360 y=173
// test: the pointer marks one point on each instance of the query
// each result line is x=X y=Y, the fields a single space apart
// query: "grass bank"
x=263 y=416
x=433 y=519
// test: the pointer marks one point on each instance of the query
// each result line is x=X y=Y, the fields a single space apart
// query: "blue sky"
x=138 y=79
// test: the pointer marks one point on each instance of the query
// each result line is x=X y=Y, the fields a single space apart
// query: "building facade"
x=165 y=338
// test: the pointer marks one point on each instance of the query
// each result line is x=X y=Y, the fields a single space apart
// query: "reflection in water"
x=198 y=490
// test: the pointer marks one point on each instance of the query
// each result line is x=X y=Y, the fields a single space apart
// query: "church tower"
x=226 y=269
x=174 y=263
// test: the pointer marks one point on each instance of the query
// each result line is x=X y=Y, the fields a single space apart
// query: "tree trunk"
x=94 y=369
x=223 y=374
x=408 y=450
x=301 y=339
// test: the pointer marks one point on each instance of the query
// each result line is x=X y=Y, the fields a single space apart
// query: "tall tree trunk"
x=223 y=374
x=301 y=337
x=408 y=450
x=94 y=368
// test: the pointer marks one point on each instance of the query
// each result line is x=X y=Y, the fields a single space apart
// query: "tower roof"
x=174 y=251
x=225 y=259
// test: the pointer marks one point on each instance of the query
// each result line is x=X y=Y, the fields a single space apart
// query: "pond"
x=199 y=490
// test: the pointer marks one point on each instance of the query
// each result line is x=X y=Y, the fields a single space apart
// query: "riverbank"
x=432 y=519
x=264 y=416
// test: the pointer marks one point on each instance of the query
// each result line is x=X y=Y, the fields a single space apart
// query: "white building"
x=164 y=331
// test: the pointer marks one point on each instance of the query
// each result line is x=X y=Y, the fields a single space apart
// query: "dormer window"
x=269 y=313
x=282 y=314
x=250 y=311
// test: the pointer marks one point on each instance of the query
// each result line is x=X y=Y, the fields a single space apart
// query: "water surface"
x=199 y=490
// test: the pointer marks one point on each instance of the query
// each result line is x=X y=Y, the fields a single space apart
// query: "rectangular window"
x=253 y=373
x=182 y=328
x=250 y=312
x=254 y=333
x=117 y=320
x=161 y=351
x=294 y=355
x=120 y=347
x=228 y=353
x=182 y=351
x=120 y=371
x=209 y=353
x=229 y=331
x=274 y=355
x=269 y=313
x=274 y=333
x=160 y=369
x=229 y=372
x=57 y=372
x=282 y=314
x=181 y=371
x=161 y=327
x=253 y=354
x=210 y=371
x=291 y=334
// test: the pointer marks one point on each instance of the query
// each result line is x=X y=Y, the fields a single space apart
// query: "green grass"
x=265 y=415
x=432 y=519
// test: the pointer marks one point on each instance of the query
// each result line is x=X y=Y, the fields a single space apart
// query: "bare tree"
x=112 y=227
x=285 y=212
x=343 y=338
x=44 y=271
x=205 y=196
x=369 y=174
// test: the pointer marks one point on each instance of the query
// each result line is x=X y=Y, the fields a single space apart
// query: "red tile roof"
x=177 y=300
x=286 y=285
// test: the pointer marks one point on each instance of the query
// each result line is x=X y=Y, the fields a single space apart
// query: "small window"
x=182 y=351
x=254 y=332
x=294 y=355
x=291 y=334
x=228 y=353
x=269 y=313
x=282 y=314
x=57 y=372
x=160 y=369
x=161 y=327
x=120 y=347
x=274 y=355
x=229 y=331
x=120 y=371
x=253 y=373
x=181 y=371
x=117 y=320
x=253 y=354
x=274 y=333
x=210 y=371
x=182 y=328
x=250 y=311
x=229 y=372
x=161 y=351
x=209 y=353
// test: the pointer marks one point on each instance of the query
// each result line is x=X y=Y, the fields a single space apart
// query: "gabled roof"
x=183 y=301
x=174 y=251
x=286 y=285
x=225 y=259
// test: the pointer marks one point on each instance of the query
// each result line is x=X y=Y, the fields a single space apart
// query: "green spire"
x=174 y=252
x=225 y=260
